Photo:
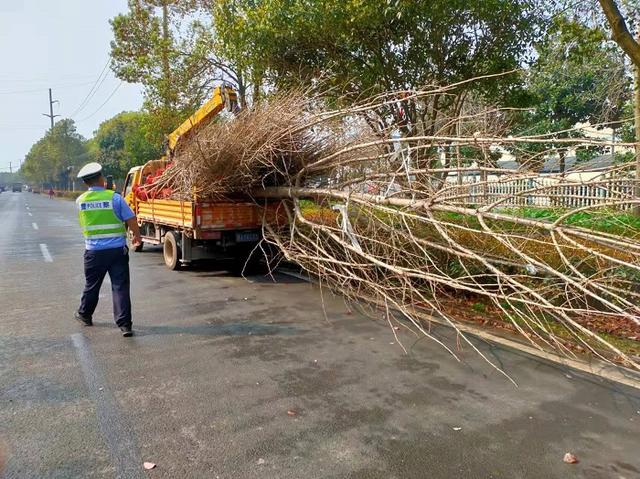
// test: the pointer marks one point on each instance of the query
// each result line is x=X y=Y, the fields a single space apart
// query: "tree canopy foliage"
x=578 y=77
x=352 y=49
x=170 y=47
x=379 y=44
x=124 y=141
x=58 y=154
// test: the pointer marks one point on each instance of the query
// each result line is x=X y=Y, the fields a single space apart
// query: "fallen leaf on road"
x=457 y=428
x=570 y=458
x=261 y=462
x=149 y=465
x=291 y=412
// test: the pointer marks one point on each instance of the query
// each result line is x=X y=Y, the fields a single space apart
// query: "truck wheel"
x=171 y=251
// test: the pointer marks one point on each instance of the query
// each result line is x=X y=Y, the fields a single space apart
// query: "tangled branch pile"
x=265 y=146
x=414 y=218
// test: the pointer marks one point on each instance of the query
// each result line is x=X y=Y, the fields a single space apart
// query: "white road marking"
x=45 y=253
x=35 y=226
x=30 y=214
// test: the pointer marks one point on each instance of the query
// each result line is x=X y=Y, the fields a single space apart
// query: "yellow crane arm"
x=222 y=96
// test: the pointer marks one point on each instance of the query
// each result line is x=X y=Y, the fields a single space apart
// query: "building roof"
x=552 y=165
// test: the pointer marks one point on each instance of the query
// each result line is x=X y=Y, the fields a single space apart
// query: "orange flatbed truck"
x=200 y=228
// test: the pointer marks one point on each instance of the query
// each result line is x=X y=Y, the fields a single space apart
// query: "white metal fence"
x=540 y=192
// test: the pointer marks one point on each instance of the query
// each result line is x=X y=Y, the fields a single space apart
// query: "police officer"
x=103 y=215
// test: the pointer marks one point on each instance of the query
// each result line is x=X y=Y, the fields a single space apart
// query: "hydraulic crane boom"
x=223 y=96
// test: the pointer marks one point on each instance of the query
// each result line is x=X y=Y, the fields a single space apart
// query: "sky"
x=63 y=45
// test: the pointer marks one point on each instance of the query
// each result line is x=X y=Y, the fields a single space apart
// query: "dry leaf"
x=149 y=465
x=570 y=458
x=291 y=412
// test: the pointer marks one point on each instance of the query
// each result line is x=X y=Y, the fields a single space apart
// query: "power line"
x=40 y=90
x=20 y=127
x=104 y=103
x=94 y=89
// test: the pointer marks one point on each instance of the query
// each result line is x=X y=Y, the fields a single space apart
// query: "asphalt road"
x=229 y=378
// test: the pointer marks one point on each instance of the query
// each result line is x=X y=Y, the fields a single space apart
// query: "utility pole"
x=51 y=102
x=10 y=168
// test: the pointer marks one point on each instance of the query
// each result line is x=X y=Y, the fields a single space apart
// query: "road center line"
x=30 y=214
x=118 y=435
x=45 y=253
x=35 y=226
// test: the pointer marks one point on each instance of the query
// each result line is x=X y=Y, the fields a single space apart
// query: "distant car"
x=16 y=187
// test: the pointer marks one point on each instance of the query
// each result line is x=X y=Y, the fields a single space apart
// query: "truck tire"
x=171 y=251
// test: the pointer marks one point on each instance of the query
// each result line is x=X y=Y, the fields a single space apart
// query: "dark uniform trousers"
x=97 y=263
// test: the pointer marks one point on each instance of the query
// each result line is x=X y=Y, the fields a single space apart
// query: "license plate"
x=246 y=237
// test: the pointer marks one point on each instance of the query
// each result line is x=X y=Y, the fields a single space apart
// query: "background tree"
x=354 y=49
x=365 y=47
x=124 y=141
x=169 y=47
x=57 y=156
x=578 y=77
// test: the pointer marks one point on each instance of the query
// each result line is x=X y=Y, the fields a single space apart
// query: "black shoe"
x=82 y=319
x=126 y=331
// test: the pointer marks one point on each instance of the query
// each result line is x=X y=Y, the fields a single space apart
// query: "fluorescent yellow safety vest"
x=97 y=217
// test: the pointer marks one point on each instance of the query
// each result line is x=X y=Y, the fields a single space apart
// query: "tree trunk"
x=620 y=32
x=166 y=68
